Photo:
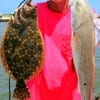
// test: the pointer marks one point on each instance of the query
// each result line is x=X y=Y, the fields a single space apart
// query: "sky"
x=8 y=6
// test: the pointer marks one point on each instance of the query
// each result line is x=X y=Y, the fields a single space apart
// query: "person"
x=57 y=80
x=97 y=29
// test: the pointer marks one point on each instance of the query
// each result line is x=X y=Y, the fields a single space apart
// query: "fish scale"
x=83 y=47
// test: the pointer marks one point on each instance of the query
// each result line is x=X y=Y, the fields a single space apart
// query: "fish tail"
x=21 y=91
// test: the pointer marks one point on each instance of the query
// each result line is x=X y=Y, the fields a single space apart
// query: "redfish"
x=83 y=47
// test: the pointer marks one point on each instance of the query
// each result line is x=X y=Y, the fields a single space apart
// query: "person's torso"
x=56 y=31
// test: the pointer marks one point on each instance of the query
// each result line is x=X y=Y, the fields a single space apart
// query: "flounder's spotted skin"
x=22 y=48
x=22 y=51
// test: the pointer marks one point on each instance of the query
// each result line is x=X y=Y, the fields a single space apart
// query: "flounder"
x=22 y=49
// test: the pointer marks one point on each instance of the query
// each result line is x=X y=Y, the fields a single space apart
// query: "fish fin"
x=21 y=91
x=76 y=15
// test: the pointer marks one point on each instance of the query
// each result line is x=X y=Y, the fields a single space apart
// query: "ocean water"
x=4 y=79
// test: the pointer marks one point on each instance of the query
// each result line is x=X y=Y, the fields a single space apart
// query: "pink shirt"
x=57 y=80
